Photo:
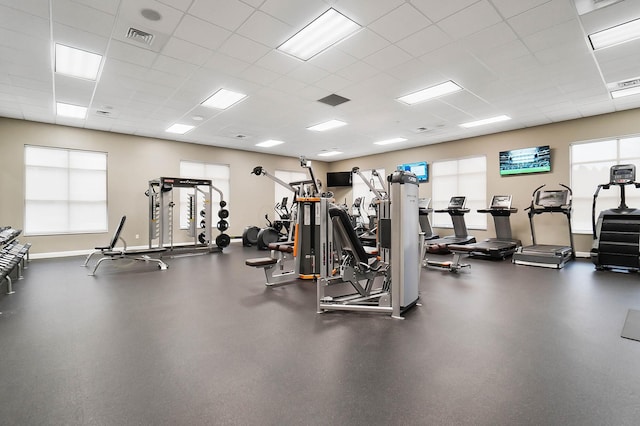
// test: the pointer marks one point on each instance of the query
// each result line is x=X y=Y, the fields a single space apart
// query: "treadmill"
x=546 y=255
x=456 y=210
x=423 y=217
x=504 y=245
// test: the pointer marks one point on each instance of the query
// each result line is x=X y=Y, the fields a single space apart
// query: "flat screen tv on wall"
x=420 y=169
x=338 y=179
x=525 y=160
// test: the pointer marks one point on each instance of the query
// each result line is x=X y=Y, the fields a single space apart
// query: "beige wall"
x=133 y=161
x=550 y=228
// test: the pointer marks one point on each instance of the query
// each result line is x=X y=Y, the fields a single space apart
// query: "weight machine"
x=387 y=283
x=380 y=201
x=199 y=215
x=304 y=247
x=616 y=235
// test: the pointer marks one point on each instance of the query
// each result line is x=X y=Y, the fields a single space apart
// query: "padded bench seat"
x=285 y=248
x=260 y=262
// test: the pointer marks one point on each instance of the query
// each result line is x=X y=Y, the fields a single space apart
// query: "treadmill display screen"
x=554 y=198
x=501 y=202
x=457 y=202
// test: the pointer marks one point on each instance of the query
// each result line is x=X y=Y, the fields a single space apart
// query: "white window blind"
x=65 y=191
x=590 y=164
x=460 y=177
x=219 y=174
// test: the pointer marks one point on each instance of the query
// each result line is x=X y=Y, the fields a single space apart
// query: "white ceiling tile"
x=253 y=3
x=278 y=62
x=542 y=17
x=365 y=12
x=487 y=40
x=229 y=14
x=182 y=5
x=259 y=75
x=226 y=64
x=108 y=6
x=610 y=16
x=568 y=32
x=173 y=66
x=295 y=13
x=22 y=81
x=185 y=51
x=265 y=29
x=362 y=44
x=415 y=73
x=470 y=20
x=79 y=39
x=400 y=23
x=128 y=53
x=619 y=63
x=424 y=41
x=597 y=108
x=509 y=8
x=32 y=7
x=288 y=85
x=201 y=32
x=437 y=10
x=83 y=17
x=130 y=11
x=358 y=71
x=243 y=48
x=333 y=83
x=387 y=58
x=24 y=23
x=332 y=60
x=73 y=90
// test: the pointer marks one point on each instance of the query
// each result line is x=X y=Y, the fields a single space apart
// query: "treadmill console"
x=622 y=174
x=502 y=202
x=552 y=198
x=457 y=203
x=423 y=203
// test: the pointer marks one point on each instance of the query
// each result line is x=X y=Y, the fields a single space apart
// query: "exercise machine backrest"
x=116 y=235
x=348 y=236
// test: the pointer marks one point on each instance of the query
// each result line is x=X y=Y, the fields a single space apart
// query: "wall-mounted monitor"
x=525 y=160
x=338 y=179
x=420 y=169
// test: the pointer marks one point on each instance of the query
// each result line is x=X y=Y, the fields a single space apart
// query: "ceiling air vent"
x=103 y=113
x=333 y=100
x=140 y=36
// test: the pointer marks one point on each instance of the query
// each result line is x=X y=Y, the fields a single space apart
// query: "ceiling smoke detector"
x=140 y=36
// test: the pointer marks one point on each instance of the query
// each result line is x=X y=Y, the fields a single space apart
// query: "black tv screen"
x=338 y=179
x=525 y=160
x=420 y=169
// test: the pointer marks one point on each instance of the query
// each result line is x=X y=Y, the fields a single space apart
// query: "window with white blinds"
x=461 y=177
x=65 y=191
x=590 y=164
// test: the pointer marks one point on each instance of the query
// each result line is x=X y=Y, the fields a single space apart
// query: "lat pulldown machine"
x=616 y=235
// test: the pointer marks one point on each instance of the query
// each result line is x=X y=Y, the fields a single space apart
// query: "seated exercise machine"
x=616 y=235
x=304 y=247
x=388 y=283
x=111 y=253
x=504 y=245
x=546 y=255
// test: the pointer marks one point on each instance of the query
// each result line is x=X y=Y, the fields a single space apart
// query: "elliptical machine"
x=616 y=235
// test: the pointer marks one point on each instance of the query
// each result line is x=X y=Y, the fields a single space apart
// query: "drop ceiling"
x=528 y=59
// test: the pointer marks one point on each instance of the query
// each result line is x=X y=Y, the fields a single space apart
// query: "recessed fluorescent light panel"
x=430 y=93
x=327 y=125
x=328 y=29
x=615 y=94
x=223 y=99
x=491 y=120
x=77 y=63
x=329 y=153
x=179 y=129
x=390 y=141
x=269 y=143
x=71 y=111
x=615 y=35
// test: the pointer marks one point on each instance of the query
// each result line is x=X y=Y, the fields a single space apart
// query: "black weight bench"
x=279 y=254
x=110 y=253
x=12 y=258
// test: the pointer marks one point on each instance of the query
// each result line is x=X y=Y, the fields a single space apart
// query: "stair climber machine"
x=546 y=255
x=616 y=235
x=353 y=280
x=504 y=245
